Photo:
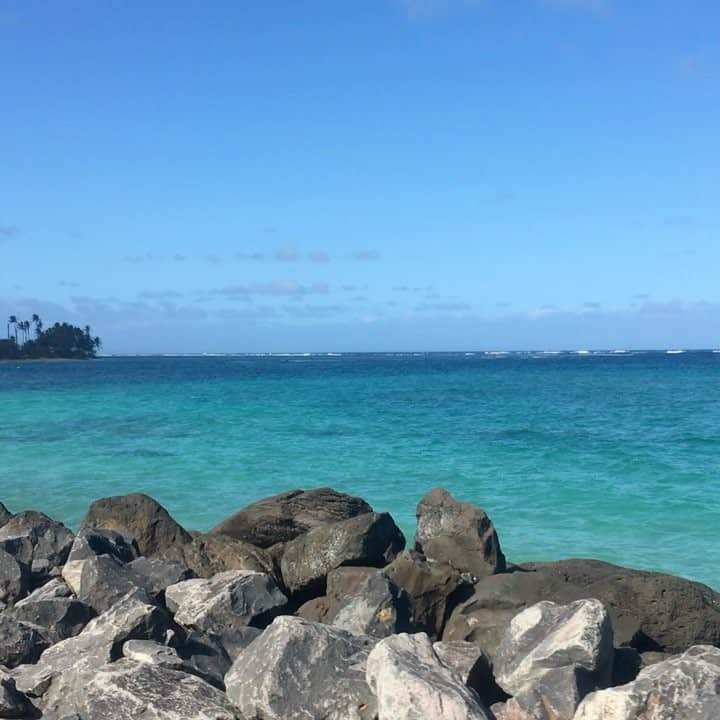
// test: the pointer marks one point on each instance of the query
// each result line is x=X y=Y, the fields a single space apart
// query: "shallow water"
x=613 y=456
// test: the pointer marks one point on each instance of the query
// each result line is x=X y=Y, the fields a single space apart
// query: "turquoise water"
x=609 y=456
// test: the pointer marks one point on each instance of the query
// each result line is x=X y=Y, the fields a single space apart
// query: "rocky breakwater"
x=307 y=605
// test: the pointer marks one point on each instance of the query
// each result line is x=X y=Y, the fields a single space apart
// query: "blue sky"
x=375 y=175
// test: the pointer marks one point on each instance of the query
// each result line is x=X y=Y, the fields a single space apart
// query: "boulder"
x=435 y=589
x=5 y=515
x=204 y=656
x=649 y=611
x=90 y=542
x=284 y=517
x=156 y=574
x=152 y=653
x=52 y=608
x=128 y=689
x=469 y=662
x=99 y=581
x=377 y=607
x=13 y=704
x=672 y=613
x=226 y=605
x=50 y=540
x=14 y=578
x=67 y=663
x=457 y=533
x=370 y=539
x=20 y=643
x=139 y=516
x=411 y=683
x=553 y=655
x=315 y=610
x=300 y=669
x=686 y=687
x=208 y=555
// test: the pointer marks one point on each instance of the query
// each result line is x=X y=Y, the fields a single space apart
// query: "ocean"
x=611 y=455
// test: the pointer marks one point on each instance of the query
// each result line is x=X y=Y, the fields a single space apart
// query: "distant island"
x=28 y=340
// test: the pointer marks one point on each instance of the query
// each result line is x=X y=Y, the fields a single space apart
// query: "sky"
x=372 y=175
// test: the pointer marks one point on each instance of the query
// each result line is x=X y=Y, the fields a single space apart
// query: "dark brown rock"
x=371 y=539
x=459 y=534
x=209 y=554
x=140 y=516
x=672 y=613
x=284 y=517
x=435 y=588
x=649 y=611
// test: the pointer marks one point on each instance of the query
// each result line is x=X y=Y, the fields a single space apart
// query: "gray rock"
x=136 y=690
x=90 y=542
x=435 y=588
x=684 y=688
x=205 y=656
x=226 y=605
x=14 y=578
x=156 y=574
x=99 y=581
x=472 y=665
x=552 y=655
x=284 y=517
x=51 y=590
x=52 y=608
x=139 y=516
x=67 y=663
x=152 y=653
x=13 y=704
x=370 y=539
x=300 y=670
x=411 y=683
x=459 y=534
x=377 y=608
x=50 y=540
x=5 y=515
x=20 y=643
x=208 y=555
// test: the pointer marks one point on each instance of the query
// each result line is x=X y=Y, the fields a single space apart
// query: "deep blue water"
x=614 y=456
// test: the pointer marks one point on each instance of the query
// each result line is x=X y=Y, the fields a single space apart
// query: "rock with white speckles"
x=136 y=691
x=300 y=670
x=686 y=687
x=370 y=539
x=411 y=683
x=226 y=605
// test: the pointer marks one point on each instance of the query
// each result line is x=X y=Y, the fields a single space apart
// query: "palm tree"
x=12 y=320
x=38 y=324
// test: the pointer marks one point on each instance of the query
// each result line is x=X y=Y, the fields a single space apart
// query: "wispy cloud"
x=8 y=231
x=279 y=288
x=69 y=284
x=214 y=259
x=253 y=255
x=366 y=255
x=287 y=253
x=443 y=307
x=318 y=256
x=139 y=259
x=160 y=294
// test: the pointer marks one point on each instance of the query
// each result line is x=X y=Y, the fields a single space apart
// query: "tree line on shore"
x=28 y=339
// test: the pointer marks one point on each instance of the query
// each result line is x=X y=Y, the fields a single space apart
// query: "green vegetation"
x=27 y=340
